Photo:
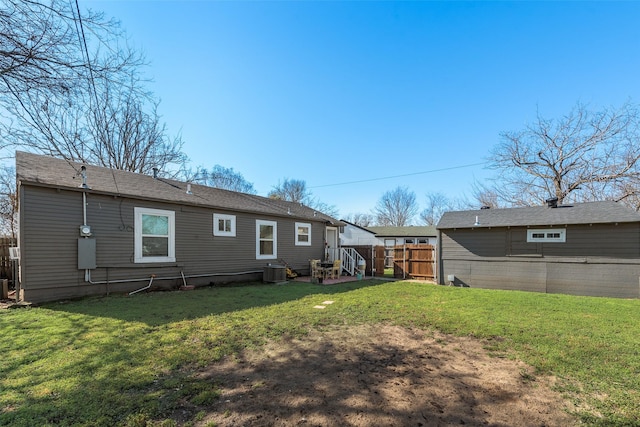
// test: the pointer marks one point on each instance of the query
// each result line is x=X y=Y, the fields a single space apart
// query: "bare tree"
x=40 y=47
x=126 y=133
x=295 y=190
x=225 y=178
x=484 y=196
x=437 y=204
x=8 y=202
x=323 y=207
x=396 y=207
x=62 y=99
x=361 y=219
x=292 y=190
x=583 y=156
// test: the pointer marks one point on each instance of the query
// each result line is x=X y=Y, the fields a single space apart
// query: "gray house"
x=581 y=249
x=87 y=230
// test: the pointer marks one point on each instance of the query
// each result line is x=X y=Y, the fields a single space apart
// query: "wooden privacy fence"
x=409 y=261
x=414 y=262
x=380 y=255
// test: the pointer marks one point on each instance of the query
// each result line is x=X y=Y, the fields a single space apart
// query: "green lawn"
x=130 y=360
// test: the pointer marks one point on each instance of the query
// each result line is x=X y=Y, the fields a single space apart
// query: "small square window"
x=303 y=234
x=224 y=225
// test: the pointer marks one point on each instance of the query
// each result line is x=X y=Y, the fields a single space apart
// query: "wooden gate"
x=365 y=252
x=379 y=260
x=414 y=262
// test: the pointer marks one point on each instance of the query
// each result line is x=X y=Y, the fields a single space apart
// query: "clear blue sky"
x=335 y=92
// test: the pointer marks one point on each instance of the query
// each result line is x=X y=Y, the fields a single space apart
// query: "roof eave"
x=89 y=190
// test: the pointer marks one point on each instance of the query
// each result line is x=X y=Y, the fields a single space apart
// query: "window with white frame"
x=266 y=239
x=224 y=225
x=552 y=235
x=303 y=234
x=154 y=235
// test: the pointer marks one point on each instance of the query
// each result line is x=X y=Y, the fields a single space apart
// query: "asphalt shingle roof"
x=48 y=171
x=577 y=213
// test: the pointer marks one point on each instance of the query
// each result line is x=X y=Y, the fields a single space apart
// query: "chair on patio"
x=317 y=272
x=335 y=270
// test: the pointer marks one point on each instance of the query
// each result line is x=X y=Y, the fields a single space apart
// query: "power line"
x=83 y=46
x=85 y=51
x=399 y=176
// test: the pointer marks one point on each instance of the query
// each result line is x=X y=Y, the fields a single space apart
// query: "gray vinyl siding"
x=474 y=243
x=45 y=253
x=50 y=221
x=596 y=260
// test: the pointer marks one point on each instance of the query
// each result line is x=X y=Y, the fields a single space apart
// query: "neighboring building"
x=93 y=230
x=389 y=237
x=413 y=234
x=355 y=235
x=581 y=249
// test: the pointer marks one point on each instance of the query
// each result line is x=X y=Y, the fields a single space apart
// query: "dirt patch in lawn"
x=380 y=376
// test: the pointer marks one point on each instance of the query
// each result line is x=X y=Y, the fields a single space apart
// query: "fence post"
x=404 y=261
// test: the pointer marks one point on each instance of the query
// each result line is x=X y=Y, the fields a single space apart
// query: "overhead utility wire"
x=399 y=176
x=83 y=45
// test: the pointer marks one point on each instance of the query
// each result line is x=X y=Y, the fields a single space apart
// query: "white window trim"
x=138 y=212
x=548 y=238
x=303 y=243
x=274 y=224
x=217 y=232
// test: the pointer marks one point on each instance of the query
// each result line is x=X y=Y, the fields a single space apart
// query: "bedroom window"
x=303 y=234
x=154 y=235
x=224 y=225
x=547 y=236
x=266 y=239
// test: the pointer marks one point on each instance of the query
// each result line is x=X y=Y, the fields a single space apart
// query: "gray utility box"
x=86 y=253
x=274 y=274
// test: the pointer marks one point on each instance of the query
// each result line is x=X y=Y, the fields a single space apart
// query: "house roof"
x=45 y=171
x=577 y=213
x=409 y=231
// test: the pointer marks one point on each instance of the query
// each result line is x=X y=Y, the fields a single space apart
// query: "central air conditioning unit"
x=274 y=274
